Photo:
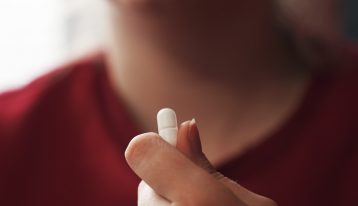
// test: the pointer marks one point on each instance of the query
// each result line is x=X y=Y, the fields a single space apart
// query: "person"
x=275 y=127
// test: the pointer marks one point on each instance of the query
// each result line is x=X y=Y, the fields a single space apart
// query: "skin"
x=320 y=18
x=251 y=84
x=225 y=64
x=204 y=186
x=318 y=26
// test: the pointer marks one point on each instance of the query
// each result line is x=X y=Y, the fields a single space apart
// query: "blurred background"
x=38 y=35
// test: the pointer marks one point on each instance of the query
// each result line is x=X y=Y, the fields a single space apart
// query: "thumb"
x=190 y=145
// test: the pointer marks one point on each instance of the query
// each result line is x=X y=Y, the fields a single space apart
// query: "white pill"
x=167 y=125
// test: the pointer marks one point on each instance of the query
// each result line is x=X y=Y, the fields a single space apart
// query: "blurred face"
x=167 y=7
x=204 y=26
x=193 y=12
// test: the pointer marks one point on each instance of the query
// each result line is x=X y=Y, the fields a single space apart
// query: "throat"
x=233 y=116
x=248 y=125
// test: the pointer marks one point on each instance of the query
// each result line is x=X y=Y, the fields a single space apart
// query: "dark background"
x=351 y=15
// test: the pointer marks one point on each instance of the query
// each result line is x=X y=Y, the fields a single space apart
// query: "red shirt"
x=62 y=140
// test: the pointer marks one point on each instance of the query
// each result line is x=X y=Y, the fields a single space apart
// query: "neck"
x=192 y=93
x=234 y=89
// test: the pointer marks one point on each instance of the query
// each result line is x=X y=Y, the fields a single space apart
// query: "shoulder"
x=334 y=108
x=45 y=95
x=339 y=83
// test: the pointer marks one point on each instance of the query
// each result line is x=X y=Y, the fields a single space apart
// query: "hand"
x=183 y=176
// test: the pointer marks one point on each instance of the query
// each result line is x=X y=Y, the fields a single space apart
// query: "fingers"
x=172 y=175
x=189 y=144
x=245 y=195
x=177 y=179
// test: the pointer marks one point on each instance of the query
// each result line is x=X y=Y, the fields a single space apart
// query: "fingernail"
x=194 y=136
x=185 y=123
x=193 y=122
x=192 y=126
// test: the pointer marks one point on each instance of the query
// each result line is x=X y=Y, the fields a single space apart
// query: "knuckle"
x=205 y=164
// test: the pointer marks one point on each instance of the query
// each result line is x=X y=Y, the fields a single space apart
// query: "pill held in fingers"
x=167 y=125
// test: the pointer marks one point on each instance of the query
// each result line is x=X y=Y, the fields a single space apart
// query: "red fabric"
x=62 y=140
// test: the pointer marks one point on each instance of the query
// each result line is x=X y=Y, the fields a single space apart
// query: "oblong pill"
x=167 y=125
